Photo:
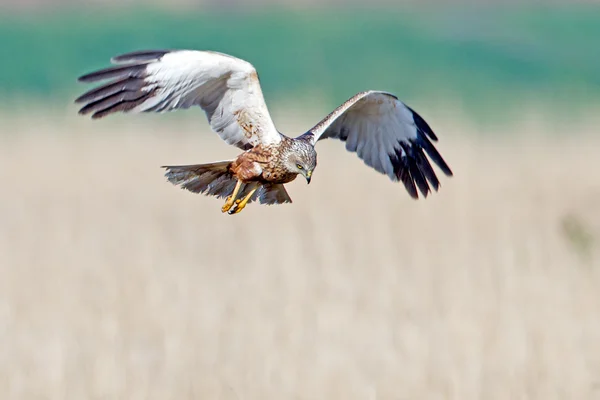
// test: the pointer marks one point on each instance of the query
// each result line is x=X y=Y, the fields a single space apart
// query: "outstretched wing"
x=225 y=87
x=388 y=136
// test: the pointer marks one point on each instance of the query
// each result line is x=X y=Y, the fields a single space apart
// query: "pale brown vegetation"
x=115 y=284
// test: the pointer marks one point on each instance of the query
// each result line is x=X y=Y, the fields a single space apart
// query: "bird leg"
x=240 y=206
x=231 y=199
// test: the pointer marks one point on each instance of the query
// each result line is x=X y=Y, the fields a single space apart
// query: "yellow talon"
x=231 y=199
x=236 y=210
x=228 y=204
x=240 y=204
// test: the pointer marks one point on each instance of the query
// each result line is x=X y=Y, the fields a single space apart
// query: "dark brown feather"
x=140 y=56
x=409 y=184
x=124 y=85
x=432 y=152
x=414 y=169
x=122 y=106
x=136 y=70
x=120 y=101
x=425 y=167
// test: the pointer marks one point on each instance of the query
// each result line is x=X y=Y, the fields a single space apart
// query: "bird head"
x=301 y=159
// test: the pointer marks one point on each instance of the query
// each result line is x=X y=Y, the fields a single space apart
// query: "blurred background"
x=116 y=285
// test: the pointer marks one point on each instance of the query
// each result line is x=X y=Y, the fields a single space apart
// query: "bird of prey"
x=384 y=132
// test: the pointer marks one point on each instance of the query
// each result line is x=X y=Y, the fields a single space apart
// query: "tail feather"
x=215 y=179
x=211 y=179
x=273 y=194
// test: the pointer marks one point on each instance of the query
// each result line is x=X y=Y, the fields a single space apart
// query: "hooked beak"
x=308 y=176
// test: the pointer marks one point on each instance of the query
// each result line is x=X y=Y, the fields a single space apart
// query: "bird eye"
x=299 y=166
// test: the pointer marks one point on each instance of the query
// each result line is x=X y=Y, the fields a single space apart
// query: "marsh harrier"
x=384 y=132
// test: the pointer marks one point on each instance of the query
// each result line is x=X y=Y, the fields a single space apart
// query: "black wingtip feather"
x=414 y=170
x=422 y=125
x=125 y=90
x=120 y=71
x=409 y=184
x=425 y=167
x=119 y=101
x=125 y=85
x=140 y=56
x=432 y=152
x=110 y=101
x=399 y=161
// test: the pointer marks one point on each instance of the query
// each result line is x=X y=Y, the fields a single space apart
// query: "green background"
x=483 y=58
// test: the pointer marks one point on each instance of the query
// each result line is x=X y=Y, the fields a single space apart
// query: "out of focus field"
x=114 y=284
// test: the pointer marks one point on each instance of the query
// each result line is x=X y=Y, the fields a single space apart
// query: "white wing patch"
x=388 y=136
x=225 y=87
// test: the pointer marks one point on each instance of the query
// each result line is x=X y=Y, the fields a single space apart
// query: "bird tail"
x=212 y=179
x=216 y=179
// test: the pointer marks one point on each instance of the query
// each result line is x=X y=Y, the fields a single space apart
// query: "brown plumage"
x=384 y=132
x=265 y=163
x=264 y=168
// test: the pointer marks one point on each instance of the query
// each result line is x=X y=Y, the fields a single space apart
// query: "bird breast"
x=263 y=163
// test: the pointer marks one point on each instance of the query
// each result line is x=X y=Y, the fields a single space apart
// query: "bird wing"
x=388 y=136
x=225 y=87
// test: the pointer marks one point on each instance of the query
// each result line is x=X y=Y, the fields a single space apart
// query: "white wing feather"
x=388 y=136
x=225 y=87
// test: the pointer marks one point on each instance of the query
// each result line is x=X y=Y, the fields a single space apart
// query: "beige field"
x=116 y=285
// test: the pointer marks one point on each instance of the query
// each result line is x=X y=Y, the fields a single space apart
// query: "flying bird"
x=385 y=133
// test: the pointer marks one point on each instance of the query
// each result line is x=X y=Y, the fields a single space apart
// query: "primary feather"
x=225 y=87
x=388 y=136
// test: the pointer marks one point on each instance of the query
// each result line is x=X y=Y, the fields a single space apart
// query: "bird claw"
x=232 y=207
x=235 y=210
x=228 y=204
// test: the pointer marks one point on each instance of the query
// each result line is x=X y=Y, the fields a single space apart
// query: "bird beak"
x=308 y=176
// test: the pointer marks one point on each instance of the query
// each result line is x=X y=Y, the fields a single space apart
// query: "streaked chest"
x=271 y=163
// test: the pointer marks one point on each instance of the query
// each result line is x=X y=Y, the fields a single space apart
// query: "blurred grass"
x=482 y=58
x=114 y=284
